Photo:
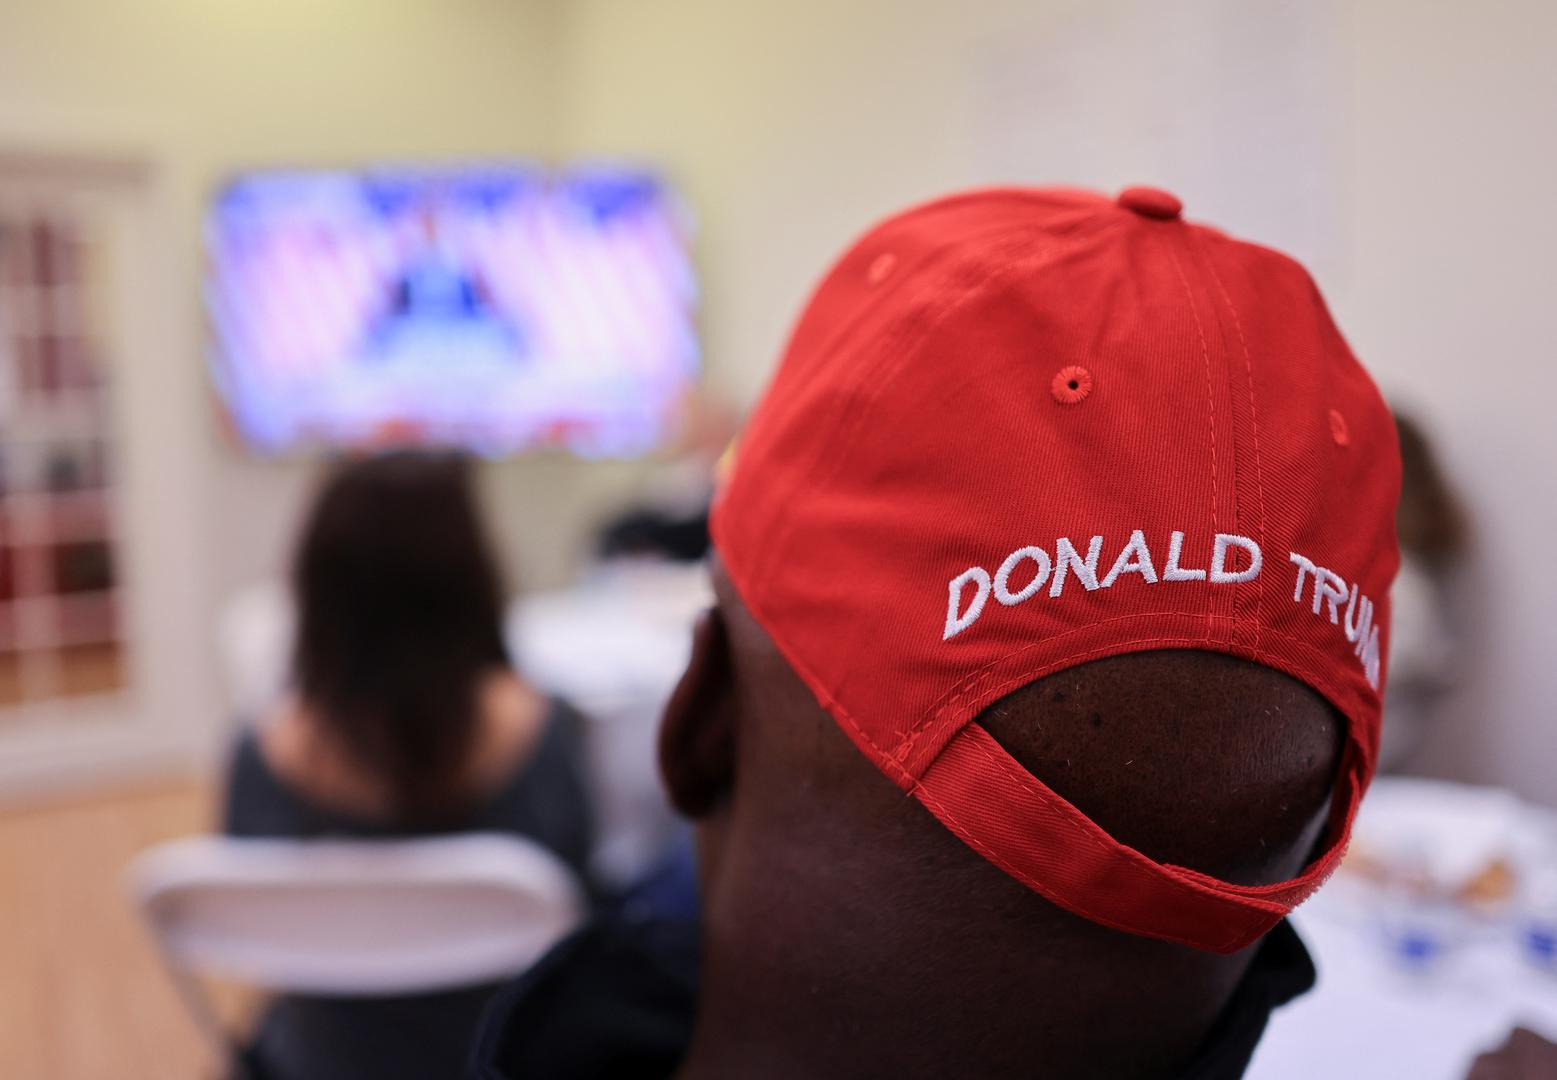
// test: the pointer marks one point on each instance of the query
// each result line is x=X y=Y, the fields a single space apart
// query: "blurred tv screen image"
x=498 y=309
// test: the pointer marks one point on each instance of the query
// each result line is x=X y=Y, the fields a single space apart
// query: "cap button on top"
x=1151 y=202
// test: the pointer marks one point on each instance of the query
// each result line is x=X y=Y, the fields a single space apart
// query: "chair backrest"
x=360 y=918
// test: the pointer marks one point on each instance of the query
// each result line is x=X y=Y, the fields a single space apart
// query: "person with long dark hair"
x=406 y=718
x=1435 y=537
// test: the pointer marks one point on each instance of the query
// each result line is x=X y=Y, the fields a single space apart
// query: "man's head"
x=818 y=871
x=1052 y=579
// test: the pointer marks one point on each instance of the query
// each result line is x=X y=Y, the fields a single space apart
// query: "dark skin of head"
x=847 y=933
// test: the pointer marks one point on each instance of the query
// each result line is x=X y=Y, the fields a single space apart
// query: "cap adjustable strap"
x=1005 y=814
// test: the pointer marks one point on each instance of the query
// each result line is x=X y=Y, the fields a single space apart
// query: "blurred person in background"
x=1058 y=833
x=669 y=519
x=615 y=641
x=1434 y=537
x=406 y=719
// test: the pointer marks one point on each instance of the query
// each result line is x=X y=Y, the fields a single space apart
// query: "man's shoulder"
x=615 y=999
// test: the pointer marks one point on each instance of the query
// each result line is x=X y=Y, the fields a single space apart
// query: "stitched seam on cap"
x=824 y=461
x=840 y=340
x=1048 y=892
x=1205 y=352
x=909 y=782
x=954 y=696
x=873 y=382
x=1258 y=895
x=1206 y=885
x=971 y=684
x=870 y=384
x=1254 y=419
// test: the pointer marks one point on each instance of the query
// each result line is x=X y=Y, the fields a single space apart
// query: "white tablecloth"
x=1372 y=1019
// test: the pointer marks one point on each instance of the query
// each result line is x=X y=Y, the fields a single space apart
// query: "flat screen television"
x=496 y=308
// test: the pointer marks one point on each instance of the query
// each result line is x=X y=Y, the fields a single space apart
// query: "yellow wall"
x=791 y=125
x=194 y=90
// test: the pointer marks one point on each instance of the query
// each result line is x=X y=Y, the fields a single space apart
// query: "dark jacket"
x=616 y=1001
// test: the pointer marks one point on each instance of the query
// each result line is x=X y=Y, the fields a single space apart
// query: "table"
x=1371 y=1018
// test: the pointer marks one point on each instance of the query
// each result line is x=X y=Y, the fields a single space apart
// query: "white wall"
x=1404 y=148
x=1451 y=147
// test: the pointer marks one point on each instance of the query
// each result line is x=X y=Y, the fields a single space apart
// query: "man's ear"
x=697 y=734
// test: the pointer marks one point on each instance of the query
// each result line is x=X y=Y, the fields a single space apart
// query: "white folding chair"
x=355 y=917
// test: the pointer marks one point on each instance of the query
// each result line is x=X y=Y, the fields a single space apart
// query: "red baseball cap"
x=1016 y=430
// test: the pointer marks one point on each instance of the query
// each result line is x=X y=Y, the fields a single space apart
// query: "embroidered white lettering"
x=1304 y=567
x=956 y=624
x=1219 y=572
x=1136 y=558
x=1066 y=556
x=1357 y=622
x=1172 y=571
x=1364 y=625
x=1370 y=657
x=1329 y=588
x=1040 y=559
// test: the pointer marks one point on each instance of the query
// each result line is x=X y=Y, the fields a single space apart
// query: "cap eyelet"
x=1071 y=385
x=881 y=268
x=1338 y=429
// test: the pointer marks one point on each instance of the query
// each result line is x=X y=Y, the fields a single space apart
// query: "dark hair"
x=1429 y=521
x=400 y=615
